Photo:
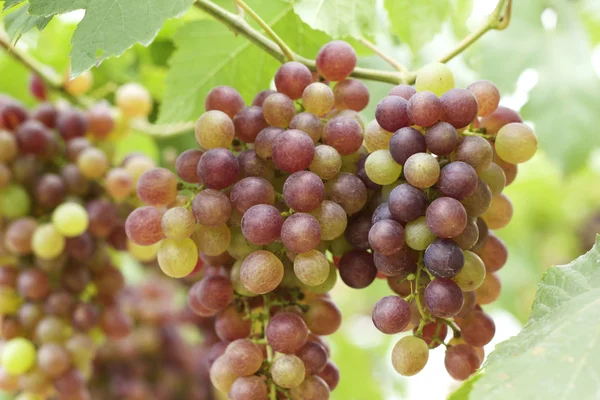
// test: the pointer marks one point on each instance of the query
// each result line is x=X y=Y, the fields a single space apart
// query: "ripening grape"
x=314 y=356
x=500 y=117
x=311 y=268
x=309 y=124
x=326 y=163
x=222 y=375
x=336 y=60
x=417 y=234
x=133 y=100
x=288 y=371
x=261 y=272
x=343 y=134
x=479 y=202
x=214 y=129
x=475 y=151
x=53 y=359
x=376 y=138
x=264 y=142
x=286 y=332
x=386 y=237
x=489 y=290
x=472 y=274
x=47 y=242
x=331 y=218
x=421 y=170
x=119 y=183
x=441 y=138
x=245 y=357
x=142 y=253
x=313 y=388
x=443 y=298
x=444 y=258
x=403 y=90
x=293 y=151
x=409 y=356
x=424 y=108
x=278 y=110
x=436 y=78
x=249 y=388
x=461 y=361
x=351 y=94
x=407 y=203
x=100 y=120
x=348 y=191
x=381 y=167
x=318 y=99
x=500 y=212
x=459 y=107
x=9 y=300
x=248 y=123
x=323 y=317
x=18 y=356
x=136 y=165
x=70 y=219
x=212 y=241
x=8 y=146
x=218 y=168
x=92 y=163
x=493 y=253
x=79 y=85
x=487 y=95
x=292 y=78
x=516 y=143
x=178 y=223
x=186 y=165
x=391 y=113
x=177 y=258
x=300 y=233
x=469 y=237
x=406 y=142
x=211 y=208
x=391 y=315
x=225 y=99
x=457 y=180
x=495 y=177
x=357 y=269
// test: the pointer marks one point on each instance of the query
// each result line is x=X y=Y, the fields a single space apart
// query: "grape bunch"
x=158 y=360
x=62 y=211
x=285 y=194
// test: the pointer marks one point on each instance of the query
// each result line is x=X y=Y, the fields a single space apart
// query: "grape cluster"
x=158 y=360
x=287 y=193
x=62 y=212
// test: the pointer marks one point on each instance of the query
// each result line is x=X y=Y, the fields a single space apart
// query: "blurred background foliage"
x=547 y=65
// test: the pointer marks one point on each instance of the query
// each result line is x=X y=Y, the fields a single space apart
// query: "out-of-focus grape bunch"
x=62 y=211
x=283 y=191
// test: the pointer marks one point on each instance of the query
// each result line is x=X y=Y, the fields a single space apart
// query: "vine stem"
x=282 y=45
x=395 y=64
x=424 y=316
x=498 y=20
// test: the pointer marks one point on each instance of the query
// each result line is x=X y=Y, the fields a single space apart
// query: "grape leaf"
x=209 y=54
x=417 y=22
x=19 y=22
x=339 y=18
x=557 y=354
x=110 y=26
x=11 y=3
x=564 y=103
x=461 y=11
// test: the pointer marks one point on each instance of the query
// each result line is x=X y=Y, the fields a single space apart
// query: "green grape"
x=317 y=98
x=311 y=268
x=214 y=129
x=47 y=242
x=288 y=371
x=332 y=218
x=495 y=177
x=417 y=234
x=92 y=163
x=340 y=245
x=70 y=219
x=326 y=163
x=143 y=253
x=18 y=356
x=422 y=170
x=178 y=223
x=377 y=138
x=14 y=202
x=381 y=167
x=410 y=355
x=10 y=301
x=436 y=78
x=516 y=143
x=472 y=274
x=329 y=282
x=212 y=241
x=177 y=258
x=239 y=247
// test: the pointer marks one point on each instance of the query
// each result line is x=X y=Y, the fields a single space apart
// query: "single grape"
x=265 y=140
x=249 y=388
x=218 y=168
x=500 y=117
x=357 y=269
x=245 y=357
x=211 y=207
x=18 y=356
x=410 y=355
x=261 y=224
x=18 y=235
x=133 y=100
x=461 y=361
x=326 y=163
x=212 y=241
x=231 y=325
x=80 y=84
x=303 y=191
x=424 y=108
x=225 y=99
x=47 y=242
x=248 y=123
x=500 y=212
x=32 y=137
x=357 y=232
x=495 y=177
x=516 y=143
x=487 y=95
x=436 y=78
x=309 y=124
x=472 y=274
x=441 y=138
x=288 y=371
x=314 y=356
x=214 y=129
x=469 y=236
x=403 y=90
x=278 y=110
x=12 y=114
x=475 y=151
x=53 y=359
x=457 y=180
x=459 y=107
x=8 y=146
x=444 y=258
x=332 y=219
x=33 y=284
x=386 y=237
x=351 y=94
x=300 y=233
x=443 y=298
x=417 y=234
x=71 y=123
x=479 y=202
x=331 y=375
x=381 y=168
x=292 y=78
x=421 y=170
x=177 y=258
x=489 y=291
x=70 y=219
x=92 y=163
x=493 y=253
x=407 y=203
x=376 y=138
x=261 y=272
x=222 y=375
x=313 y=388
x=318 y=99
x=391 y=315
x=348 y=191
x=187 y=165
x=406 y=142
x=323 y=317
x=178 y=223
x=336 y=60
x=404 y=260
x=46 y=113
x=214 y=292
x=261 y=96
x=344 y=134
x=100 y=120
x=391 y=113
x=311 y=268
x=37 y=87
x=293 y=151
x=286 y=332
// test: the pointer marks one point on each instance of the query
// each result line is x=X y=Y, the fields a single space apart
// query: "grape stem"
x=395 y=64
x=424 y=316
x=282 y=45
x=455 y=330
x=497 y=20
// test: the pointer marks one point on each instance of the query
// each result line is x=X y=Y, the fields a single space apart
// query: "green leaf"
x=339 y=18
x=209 y=54
x=564 y=103
x=417 y=22
x=461 y=11
x=557 y=354
x=11 y=3
x=19 y=22
x=590 y=14
x=110 y=26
